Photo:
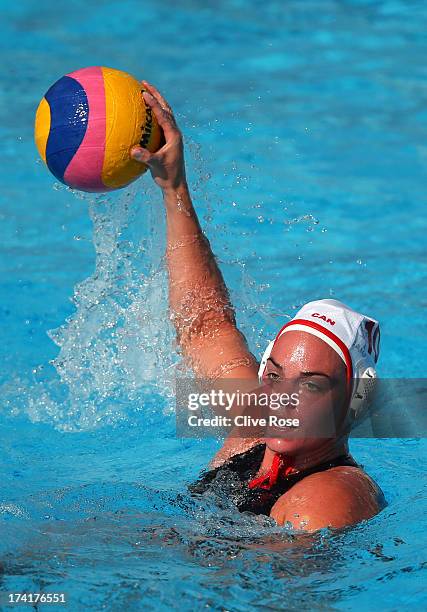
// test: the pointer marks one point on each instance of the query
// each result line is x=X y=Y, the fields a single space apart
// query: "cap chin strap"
x=280 y=466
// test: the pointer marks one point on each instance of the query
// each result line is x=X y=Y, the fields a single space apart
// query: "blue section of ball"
x=69 y=114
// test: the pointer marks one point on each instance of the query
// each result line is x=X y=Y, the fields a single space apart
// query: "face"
x=303 y=364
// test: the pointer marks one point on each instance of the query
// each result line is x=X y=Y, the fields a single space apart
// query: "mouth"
x=283 y=425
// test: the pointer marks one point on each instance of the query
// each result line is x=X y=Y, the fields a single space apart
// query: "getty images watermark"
x=226 y=401
x=310 y=407
x=243 y=409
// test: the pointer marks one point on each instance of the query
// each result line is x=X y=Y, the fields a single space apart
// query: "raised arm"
x=199 y=301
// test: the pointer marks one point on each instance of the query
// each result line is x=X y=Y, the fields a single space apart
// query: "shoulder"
x=337 y=497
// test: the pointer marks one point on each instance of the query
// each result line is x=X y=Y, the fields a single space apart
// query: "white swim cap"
x=355 y=337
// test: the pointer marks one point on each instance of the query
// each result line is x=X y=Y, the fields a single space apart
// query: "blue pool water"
x=305 y=129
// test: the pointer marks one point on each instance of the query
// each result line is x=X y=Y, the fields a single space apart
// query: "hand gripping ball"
x=86 y=125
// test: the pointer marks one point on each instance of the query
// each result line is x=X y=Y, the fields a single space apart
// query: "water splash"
x=117 y=340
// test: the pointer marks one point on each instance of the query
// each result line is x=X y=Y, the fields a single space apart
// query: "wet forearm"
x=199 y=302
x=198 y=296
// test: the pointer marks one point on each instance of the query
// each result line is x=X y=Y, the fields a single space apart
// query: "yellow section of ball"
x=42 y=127
x=129 y=121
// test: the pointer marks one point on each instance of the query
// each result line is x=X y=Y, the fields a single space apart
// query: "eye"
x=311 y=386
x=272 y=376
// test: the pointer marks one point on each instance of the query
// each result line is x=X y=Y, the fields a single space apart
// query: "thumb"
x=141 y=155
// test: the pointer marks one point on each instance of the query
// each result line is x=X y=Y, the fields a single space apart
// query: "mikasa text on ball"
x=86 y=125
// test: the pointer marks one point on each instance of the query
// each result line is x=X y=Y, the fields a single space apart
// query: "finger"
x=153 y=161
x=142 y=155
x=164 y=118
x=156 y=94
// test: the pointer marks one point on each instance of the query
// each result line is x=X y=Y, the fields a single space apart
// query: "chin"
x=282 y=445
x=294 y=446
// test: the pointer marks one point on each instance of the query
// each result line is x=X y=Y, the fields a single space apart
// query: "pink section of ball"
x=85 y=169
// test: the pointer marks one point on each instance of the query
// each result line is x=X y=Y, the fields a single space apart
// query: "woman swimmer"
x=325 y=352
